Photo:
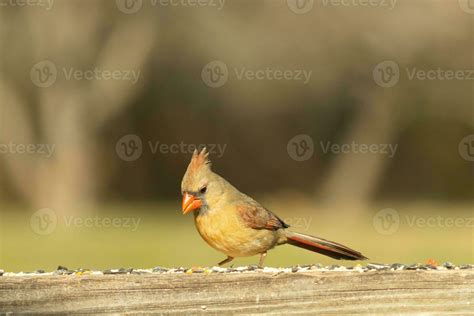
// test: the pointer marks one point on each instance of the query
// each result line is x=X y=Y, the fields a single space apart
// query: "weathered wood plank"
x=218 y=293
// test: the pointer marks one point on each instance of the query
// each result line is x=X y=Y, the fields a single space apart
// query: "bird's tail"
x=322 y=246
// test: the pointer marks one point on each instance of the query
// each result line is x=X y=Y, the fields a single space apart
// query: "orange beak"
x=190 y=203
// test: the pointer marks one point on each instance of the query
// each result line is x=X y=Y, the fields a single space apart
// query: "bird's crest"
x=199 y=160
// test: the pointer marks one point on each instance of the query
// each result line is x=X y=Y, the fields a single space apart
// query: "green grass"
x=166 y=238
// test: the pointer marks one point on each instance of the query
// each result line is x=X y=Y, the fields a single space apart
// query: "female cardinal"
x=235 y=224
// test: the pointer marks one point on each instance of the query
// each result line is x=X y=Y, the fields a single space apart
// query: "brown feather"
x=258 y=217
x=199 y=160
x=326 y=247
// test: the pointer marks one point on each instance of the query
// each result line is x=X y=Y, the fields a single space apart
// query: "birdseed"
x=371 y=267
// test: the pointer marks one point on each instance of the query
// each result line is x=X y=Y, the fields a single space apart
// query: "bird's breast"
x=225 y=232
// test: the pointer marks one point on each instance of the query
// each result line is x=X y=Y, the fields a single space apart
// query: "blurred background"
x=353 y=121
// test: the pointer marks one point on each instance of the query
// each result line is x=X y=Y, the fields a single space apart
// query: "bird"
x=237 y=225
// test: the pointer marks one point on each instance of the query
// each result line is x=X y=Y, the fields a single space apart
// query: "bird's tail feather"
x=322 y=246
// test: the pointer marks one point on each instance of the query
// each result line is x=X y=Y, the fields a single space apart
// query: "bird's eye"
x=203 y=190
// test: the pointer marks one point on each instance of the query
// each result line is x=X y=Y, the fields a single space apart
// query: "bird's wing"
x=258 y=217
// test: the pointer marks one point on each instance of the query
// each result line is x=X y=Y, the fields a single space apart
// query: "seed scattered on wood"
x=448 y=265
x=371 y=267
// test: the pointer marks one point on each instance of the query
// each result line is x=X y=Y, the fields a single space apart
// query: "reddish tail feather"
x=323 y=246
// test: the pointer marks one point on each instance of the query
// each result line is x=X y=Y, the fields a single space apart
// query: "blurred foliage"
x=254 y=119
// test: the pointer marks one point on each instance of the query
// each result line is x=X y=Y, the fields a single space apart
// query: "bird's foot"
x=262 y=258
x=228 y=259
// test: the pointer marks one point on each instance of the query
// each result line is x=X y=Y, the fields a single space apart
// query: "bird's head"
x=200 y=186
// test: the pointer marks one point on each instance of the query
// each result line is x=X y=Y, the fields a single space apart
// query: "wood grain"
x=221 y=293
